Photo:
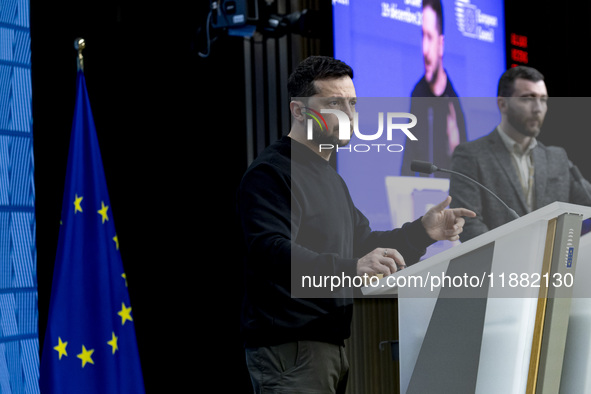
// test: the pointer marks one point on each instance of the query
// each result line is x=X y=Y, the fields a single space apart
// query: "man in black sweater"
x=298 y=221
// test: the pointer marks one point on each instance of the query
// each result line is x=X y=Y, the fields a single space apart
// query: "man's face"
x=527 y=108
x=432 y=45
x=336 y=93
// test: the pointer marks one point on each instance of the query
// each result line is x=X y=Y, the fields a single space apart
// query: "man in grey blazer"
x=511 y=162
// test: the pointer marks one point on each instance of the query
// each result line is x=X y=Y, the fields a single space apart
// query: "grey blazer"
x=487 y=161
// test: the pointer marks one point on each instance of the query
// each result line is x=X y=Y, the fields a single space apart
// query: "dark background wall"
x=173 y=129
x=557 y=35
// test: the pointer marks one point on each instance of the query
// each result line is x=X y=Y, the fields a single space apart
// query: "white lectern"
x=491 y=315
x=576 y=370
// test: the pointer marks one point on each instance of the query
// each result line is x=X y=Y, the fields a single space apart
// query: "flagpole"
x=79 y=45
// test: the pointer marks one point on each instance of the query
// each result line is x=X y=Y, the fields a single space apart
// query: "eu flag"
x=90 y=344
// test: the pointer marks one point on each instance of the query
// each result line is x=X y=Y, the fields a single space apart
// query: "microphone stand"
x=429 y=168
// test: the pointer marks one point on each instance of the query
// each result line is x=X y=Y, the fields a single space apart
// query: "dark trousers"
x=298 y=367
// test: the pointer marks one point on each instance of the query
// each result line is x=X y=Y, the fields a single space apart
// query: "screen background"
x=382 y=42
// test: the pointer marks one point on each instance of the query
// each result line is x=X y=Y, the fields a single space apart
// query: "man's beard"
x=323 y=137
x=519 y=124
x=434 y=75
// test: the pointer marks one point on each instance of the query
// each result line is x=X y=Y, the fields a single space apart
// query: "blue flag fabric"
x=90 y=344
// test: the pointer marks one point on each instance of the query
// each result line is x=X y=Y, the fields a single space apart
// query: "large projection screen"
x=383 y=42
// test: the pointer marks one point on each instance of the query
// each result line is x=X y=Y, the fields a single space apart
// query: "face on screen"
x=432 y=45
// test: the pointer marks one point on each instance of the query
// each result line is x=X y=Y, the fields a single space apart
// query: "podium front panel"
x=492 y=335
x=484 y=335
x=576 y=370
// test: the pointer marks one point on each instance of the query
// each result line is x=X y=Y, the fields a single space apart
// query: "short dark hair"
x=301 y=80
x=435 y=5
x=507 y=81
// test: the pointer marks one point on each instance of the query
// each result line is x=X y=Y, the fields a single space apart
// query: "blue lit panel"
x=19 y=344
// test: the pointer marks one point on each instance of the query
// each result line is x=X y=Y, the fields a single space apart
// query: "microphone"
x=574 y=170
x=425 y=167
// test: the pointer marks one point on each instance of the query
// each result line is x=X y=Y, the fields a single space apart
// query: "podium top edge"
x=546 y=213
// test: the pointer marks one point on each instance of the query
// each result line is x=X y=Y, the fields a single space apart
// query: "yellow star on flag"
x=103 y=211
x=77 y=204
x=61 y=348
x=124 y=276
x=85 y=356
x=113 y=343
x=125 y=314
x=116 y=242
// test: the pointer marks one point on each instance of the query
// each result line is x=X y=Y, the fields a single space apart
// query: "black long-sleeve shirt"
x=298 y=219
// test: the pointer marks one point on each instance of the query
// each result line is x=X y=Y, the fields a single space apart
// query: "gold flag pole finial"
x=79 y=45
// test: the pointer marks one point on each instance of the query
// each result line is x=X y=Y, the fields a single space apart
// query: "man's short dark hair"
x=507 y=81
x=301 y=81
x=435 y=5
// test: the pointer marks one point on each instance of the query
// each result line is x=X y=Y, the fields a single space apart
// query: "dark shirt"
x=432 y=143
x=298 y=219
